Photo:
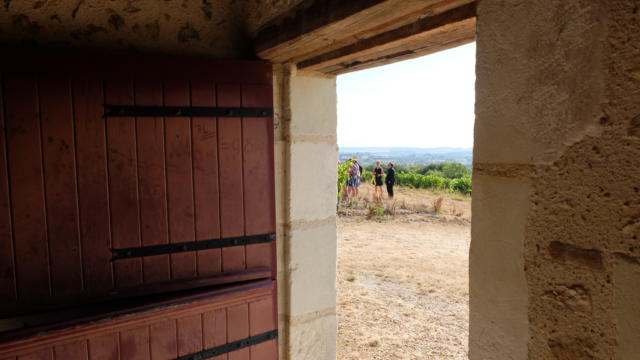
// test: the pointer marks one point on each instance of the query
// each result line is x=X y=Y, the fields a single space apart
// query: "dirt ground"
x=403 y=278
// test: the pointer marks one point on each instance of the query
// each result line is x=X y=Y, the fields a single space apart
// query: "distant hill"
x=408 y=155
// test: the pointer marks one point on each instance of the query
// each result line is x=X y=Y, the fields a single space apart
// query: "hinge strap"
x=151 y=250
x=232 y=346
x=185 y=111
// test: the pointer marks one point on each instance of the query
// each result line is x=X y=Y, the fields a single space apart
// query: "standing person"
x=390 y=180
x=354 y=175
x=359 y=178
x=377 y=177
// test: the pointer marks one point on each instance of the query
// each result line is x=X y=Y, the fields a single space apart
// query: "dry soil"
x=403 y=279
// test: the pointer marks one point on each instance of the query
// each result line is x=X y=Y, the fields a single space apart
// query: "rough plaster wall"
x=558 y=107
x=537 y=75
x=585 y=214
x=211 y=27
x=259 y=12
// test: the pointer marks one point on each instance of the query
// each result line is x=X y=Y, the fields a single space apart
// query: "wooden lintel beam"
x=396 y=44
x=343 y=68
x=305 y=18
x=315 y=27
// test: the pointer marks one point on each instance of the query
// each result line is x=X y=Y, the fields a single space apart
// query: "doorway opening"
x=403 y=259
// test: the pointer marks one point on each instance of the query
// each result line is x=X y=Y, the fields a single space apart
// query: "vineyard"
x=443 y=176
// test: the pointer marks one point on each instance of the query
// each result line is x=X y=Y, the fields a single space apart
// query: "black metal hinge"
x=185 y=111
x=151 y=250
x=232 y=346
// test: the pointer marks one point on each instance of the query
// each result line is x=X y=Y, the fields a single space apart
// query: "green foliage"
x=367 y=176
x=451 y=170
x=429 y=168
x=462 y=185
x=435 y=173
x=343 y=176
x=433 y=182
x=401 y=169
x=379 y=210
x=454 y=170
x=449 y=176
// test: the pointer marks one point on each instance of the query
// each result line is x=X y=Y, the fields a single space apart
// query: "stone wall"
x=215 y=28
x=306 y=158
x=555 y=258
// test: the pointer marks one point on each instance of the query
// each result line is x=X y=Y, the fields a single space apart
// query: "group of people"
x=355 y=178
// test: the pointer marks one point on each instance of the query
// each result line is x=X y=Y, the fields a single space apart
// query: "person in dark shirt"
x=377 y=178
x=390 y=179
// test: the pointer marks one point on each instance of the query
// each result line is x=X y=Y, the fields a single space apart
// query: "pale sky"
x=425 y=102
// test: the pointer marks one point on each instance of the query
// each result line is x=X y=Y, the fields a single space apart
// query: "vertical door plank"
x=215 y=330
x=27 y=188
x=237 y=329
x=76 y=350
x=205 y=178
x=58 y=146
x=258 y=177
x=92 y=184
x=179 y=180
x=7 y=272
x=152 y=184
x=123 y=183
x=134 y=344
x=163 y=339
x=104 y=347
x=45 y=354
x=262 y=319
x=230 y=169
x=189 y=335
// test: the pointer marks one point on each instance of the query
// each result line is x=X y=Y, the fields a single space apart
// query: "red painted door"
x=131 y=175
x=208 y=324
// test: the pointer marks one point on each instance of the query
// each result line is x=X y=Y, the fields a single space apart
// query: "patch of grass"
x=375 y=211
x=374 y=343
x=422 y=208
x=390 y=209
x=379 y=210
x=437 y=205
x=351 y=278
x=455 y=211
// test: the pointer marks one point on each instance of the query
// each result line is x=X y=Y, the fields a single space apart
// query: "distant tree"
x=450 y=170
x=401 y=168
x=429 y=168
x=454 y=170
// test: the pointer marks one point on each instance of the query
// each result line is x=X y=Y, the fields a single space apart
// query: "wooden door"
x=127 y=175
x=235 y=323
